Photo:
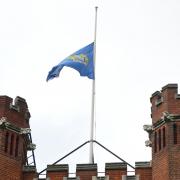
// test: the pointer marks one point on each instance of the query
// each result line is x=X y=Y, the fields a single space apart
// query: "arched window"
x=12 y=144
x=6 y=142
x=175 y=133
x=164 y=137
x=159 y=134
x=155 y=142
x=17 y=146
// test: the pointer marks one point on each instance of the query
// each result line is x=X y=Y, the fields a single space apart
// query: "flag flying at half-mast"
x=81 y=60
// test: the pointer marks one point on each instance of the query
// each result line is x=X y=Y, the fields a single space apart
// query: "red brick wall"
x=115 y=174
x=85 y=174
x=10 y=169
x=29 y=175
x=144 y=173
x=174 y=155
x=160 y=164
x=57 y=175
x=86 y=171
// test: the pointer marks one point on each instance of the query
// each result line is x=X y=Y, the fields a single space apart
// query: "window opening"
x=164 y=137
x=175 y=133
x=12 y=144
x=159 y=139
x=155 y=142
x=17 y=146
x=6 y=142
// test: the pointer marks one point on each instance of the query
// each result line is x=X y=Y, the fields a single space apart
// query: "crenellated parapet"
x=16 y=112
x=115 y=170
x=165 y=102
x=165 y=109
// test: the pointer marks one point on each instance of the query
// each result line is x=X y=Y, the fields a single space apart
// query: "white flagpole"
x=91 y=152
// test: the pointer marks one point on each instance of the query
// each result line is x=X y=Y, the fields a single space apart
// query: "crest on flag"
x=81 y=58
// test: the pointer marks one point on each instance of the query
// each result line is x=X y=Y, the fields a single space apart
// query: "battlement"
x=115 y=170
x=165 y=101
x=16 y=112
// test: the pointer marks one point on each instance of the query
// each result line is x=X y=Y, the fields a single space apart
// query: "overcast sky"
x=138 y=52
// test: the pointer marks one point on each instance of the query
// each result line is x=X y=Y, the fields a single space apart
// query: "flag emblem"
x=81 y=58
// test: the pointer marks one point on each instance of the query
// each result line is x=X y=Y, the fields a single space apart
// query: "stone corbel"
x=25 y=130
x=148 y=143
x=148 y=128
x=3 y=120
x=31 y=146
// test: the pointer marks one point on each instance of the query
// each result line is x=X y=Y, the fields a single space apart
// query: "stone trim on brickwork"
x=100 y=178
x=85 y=167
x=7 y=125
x=115 y=166
x=135 y=177
x=57 y=167
x=169 y=86
x=4 y=124
x=177 y=96
x=156 y=93
x=143 y=164
x=71 y=178
x=165 y=119
x=29 y=169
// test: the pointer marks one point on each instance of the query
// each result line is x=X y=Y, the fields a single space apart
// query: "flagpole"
x=91 y=152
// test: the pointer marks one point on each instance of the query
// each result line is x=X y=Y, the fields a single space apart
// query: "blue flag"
x=81 y=60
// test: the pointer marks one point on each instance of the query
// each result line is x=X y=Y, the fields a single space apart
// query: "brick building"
x=164 y=139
